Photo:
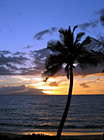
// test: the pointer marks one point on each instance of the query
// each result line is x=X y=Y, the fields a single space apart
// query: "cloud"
x=10 y=89
x=4 y=52
x=19 y=53
x=53 y=84
x=101 y=14
x=10 y=59
x=4 y=71
x=39 y=58
x=16 y=65
x=33 y=63
x=102 y=20
x=11 y=66
x=28 y=47
x=94 y=23
x=39 y=35
x=20 y=90
x=8 y=64
x=84 y=85
x=89 y=24
x=88 y=71
x=94 y=82
x=33 y=91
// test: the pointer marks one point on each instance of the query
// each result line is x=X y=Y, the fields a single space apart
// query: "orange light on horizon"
x=91 y=84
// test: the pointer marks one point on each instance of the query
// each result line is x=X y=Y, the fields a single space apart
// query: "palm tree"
x=68 y=52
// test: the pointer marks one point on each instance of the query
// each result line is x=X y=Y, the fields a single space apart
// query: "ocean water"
x=43 y=113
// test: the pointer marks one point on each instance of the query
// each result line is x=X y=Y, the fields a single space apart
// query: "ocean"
x=26 y=114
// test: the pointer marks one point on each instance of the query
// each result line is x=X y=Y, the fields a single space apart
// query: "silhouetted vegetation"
x=27 y=137
x=70 y=52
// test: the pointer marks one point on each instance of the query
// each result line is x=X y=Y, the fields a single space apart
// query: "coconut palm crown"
x=69 y=51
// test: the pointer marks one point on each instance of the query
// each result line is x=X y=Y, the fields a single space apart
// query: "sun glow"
x=45 y=87
x=48 y=92
x=91 y=84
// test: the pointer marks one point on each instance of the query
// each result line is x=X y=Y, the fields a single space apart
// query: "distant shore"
x=48 y=136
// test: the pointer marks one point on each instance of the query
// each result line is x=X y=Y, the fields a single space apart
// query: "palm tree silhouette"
x=69 y=51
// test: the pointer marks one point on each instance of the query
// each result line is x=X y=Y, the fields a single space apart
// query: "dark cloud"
x=20 y=90
x=39 y=58
x=100 y=12
x=102 y=20
x=8 y=63
x=13 y=70
x=40 y=55
x=29 y=71
x=84 y=85
x=89 y=24
x=5 y=89
x=16 y=60
x=20 y=65
x=39 y=35
x=33 y=91
x=53 y=84
x=11 y=66
x=19 y=53
x=101 y=15
x=4 y=71
x=4 y=52
x=88 y=71
x=28 y=47
x=15 y=64
x=94 y=23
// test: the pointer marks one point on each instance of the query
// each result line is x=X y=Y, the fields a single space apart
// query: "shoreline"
x=51 y=135
x=54 y=133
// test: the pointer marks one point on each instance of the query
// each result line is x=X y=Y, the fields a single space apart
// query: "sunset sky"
x=25 y=28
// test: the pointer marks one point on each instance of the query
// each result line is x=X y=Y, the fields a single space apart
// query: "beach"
x=12 y=136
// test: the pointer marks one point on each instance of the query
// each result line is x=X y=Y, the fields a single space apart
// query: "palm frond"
x=86 y=41
x=66 y=37
x=79 y=37
x=90 y=59
x=56 y=46
x=75 y=28
x=69 y=51
x=54 y=59
x=52 y=70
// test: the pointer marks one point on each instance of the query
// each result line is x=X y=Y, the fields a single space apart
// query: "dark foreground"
x=9 y=136
x=26 y=137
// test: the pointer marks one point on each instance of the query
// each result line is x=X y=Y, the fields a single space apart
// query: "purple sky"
x=20 y=20
x=25 y=28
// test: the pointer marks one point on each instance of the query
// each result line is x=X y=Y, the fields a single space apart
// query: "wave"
x=84 y=127
x=48 y=126
x=44 y=112
x=94 y=126
x=11 y=124
x=27 y=125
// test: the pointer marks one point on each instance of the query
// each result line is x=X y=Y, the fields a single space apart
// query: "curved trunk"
x=67 y=106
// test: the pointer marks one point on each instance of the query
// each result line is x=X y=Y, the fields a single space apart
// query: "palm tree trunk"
x=67 y=106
